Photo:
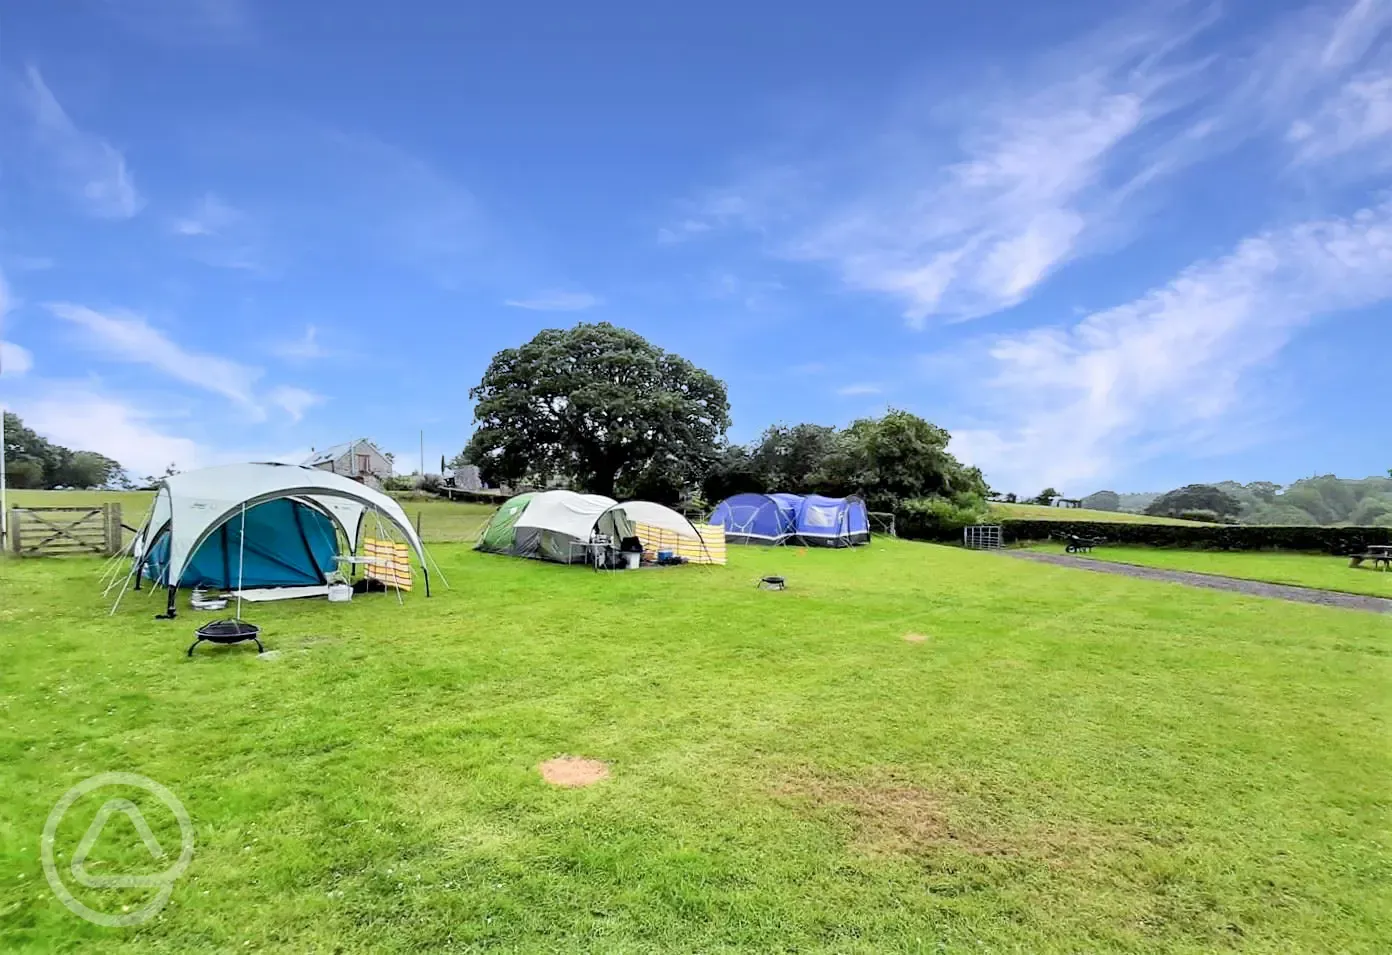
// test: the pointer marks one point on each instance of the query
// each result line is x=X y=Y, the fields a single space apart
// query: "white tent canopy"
x=190 y=507
x=658 y=515
x=565 y=512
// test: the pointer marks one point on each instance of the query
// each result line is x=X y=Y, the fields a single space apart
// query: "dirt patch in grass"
x=915 y=638
x=573 y=771
x=893 y=817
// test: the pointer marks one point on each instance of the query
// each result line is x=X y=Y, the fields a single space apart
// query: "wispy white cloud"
x=419 y=215
x=219 y=234
x=1324 y=78
x=90 y=168
x=126 y=336
x=294 y=401
x=861 y=389
x=755 y=295
x=76 y=416
x=1080 y=402
x=681 y=231
x=305 y=348
x=556 y=301
x=210 y=216
x=29 y=263
x=962 y=204
x=15 y=360
x=186 y=22
x=1357 y=117
x=980 y=233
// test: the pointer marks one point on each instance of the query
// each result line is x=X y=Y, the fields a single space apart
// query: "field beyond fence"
x=1339 y=541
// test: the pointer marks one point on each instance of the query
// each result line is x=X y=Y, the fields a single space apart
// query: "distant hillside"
x=1136 y=503
x=1326 y=501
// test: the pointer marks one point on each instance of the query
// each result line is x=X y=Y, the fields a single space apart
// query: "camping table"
x=591 y=551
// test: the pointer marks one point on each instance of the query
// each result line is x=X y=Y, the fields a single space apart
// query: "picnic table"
x=1379 y=554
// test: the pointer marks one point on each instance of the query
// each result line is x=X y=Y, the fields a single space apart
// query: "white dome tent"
x=299 y=538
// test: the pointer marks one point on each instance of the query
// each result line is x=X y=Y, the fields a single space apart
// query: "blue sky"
x=1104 y=249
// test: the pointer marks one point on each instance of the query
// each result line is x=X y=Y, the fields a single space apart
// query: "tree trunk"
x=603 y=482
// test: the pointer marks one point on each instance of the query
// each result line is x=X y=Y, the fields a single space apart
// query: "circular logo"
x=163 y=880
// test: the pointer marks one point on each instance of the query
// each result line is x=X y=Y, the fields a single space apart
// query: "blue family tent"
x=832 y=522
x=757 y=518
x=809 y=521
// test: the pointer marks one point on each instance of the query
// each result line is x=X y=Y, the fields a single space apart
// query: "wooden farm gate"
x=65 y=531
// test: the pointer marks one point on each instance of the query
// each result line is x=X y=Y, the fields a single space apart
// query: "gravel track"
x=1253 y=588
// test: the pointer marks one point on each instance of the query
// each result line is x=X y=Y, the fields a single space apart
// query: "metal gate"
x=65 y=531
x=982 y=537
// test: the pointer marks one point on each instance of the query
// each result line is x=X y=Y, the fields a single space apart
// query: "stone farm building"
x=360 y=460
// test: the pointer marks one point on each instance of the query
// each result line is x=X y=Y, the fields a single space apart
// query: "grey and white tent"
x=549 y=524
x=259 y=525
x=546 y=524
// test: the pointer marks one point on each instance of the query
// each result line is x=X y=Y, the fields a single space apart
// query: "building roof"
x=336 y=452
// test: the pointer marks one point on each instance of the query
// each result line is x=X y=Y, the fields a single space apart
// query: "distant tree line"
x=32 y=461
x=1324 y=501
x=888 y=461
x=599 y=409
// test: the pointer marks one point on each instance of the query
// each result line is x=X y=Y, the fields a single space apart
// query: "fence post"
x=418 y=517
x=114 y=536
x=14 y=530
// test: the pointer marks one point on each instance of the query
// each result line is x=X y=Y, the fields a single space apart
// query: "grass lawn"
x=446 y=521
x=1065 y=763
x=1039 y=512
x=1301 y=570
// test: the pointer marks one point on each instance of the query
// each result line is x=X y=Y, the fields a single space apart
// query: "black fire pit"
x=228 y=631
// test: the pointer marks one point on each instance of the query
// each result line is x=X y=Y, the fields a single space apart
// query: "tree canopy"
x=600 y=408
x=1325 y=500
x=886 y=460
x=1103 y=501
x=1194 y=498
x=32 y=461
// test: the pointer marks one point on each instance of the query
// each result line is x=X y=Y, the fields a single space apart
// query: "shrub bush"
x=939 y=518
x=1340 y=541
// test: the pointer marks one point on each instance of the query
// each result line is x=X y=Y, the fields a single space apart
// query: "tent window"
x=821 y=516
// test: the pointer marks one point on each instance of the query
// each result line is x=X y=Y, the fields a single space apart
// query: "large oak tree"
x=600 y=407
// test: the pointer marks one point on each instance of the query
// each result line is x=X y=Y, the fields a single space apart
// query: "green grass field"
x=1065 y=763
x=1039 y=512
x=1301 y=570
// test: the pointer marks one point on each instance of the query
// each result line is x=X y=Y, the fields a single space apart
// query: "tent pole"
x=109 y=573
x=123 y=590
x=113 y=573
x=443 y=578
x=241 y=557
